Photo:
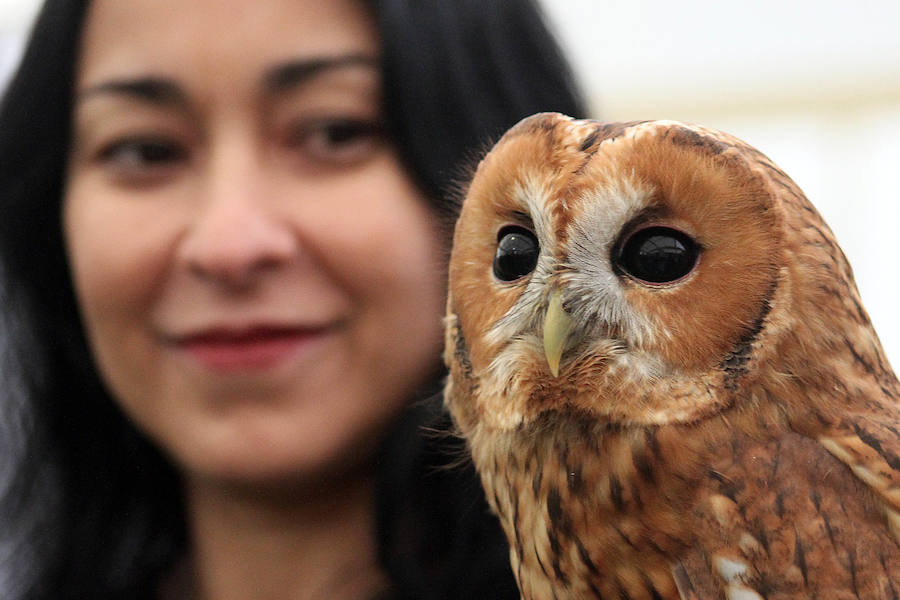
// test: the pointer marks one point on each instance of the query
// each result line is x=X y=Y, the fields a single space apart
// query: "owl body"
x=664 y=372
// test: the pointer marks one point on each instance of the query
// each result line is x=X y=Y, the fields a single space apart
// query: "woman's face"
x=260 y=282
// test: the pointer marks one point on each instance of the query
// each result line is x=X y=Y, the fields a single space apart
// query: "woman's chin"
x=307 y=460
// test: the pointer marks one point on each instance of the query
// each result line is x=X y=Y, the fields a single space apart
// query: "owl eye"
x=517 y=253
x=658 y=255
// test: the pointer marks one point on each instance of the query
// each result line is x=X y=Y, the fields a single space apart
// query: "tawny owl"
x=660 y=362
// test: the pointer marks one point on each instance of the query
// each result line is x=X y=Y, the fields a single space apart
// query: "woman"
x=223 y=252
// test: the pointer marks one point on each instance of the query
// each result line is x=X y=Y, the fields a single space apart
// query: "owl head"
x=645 y=273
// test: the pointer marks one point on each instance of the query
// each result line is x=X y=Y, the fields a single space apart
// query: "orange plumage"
x=665 y=375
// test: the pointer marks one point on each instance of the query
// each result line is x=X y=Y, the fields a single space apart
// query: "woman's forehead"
x=217 y=38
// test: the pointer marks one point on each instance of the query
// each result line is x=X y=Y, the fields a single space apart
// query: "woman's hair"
x=88 y=507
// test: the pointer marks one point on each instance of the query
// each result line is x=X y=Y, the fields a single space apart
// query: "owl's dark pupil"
x=658 y=255
x=517 y=253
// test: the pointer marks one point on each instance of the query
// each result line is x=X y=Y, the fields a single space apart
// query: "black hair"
x=461 y=73
x=88 y=507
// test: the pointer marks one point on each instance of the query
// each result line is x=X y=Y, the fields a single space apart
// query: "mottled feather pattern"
x=734 y=433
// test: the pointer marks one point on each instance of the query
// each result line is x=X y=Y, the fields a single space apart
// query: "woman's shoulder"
x=438 y=539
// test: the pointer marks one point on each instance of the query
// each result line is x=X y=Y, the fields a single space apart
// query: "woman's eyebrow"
x=288 y=75
x=155 y=90
x=277 y=80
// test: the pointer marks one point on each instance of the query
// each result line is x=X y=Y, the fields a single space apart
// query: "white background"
x=813 y=84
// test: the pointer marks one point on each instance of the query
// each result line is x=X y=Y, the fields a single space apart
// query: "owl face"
x=622 y=270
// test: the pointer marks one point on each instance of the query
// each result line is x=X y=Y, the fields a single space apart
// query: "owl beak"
x=557 y=327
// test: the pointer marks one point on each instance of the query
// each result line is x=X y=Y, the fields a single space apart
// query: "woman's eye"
x=137 y=156
x=658 y=255
x=517 y=253
x=337 y=141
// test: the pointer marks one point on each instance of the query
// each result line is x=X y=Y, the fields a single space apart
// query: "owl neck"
x=581 y=507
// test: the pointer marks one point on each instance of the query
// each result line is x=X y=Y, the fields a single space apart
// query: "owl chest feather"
x=598 y=512
x=582 y=508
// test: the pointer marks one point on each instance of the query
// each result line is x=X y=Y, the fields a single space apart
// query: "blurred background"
x=815 y=84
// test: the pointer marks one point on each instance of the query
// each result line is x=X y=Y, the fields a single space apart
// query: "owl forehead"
x=556 y=176
x=576 y=216
x=584 y=178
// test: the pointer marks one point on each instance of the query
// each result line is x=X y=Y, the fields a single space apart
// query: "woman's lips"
x=256 y=348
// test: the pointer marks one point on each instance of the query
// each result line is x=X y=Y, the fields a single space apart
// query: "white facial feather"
x=592 y=289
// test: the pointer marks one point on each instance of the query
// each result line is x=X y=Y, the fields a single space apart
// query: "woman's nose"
x=237 y=234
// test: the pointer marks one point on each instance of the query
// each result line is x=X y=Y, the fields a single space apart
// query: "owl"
x=659 y=360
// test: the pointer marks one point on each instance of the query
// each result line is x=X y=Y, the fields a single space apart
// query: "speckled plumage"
x=735 y=434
